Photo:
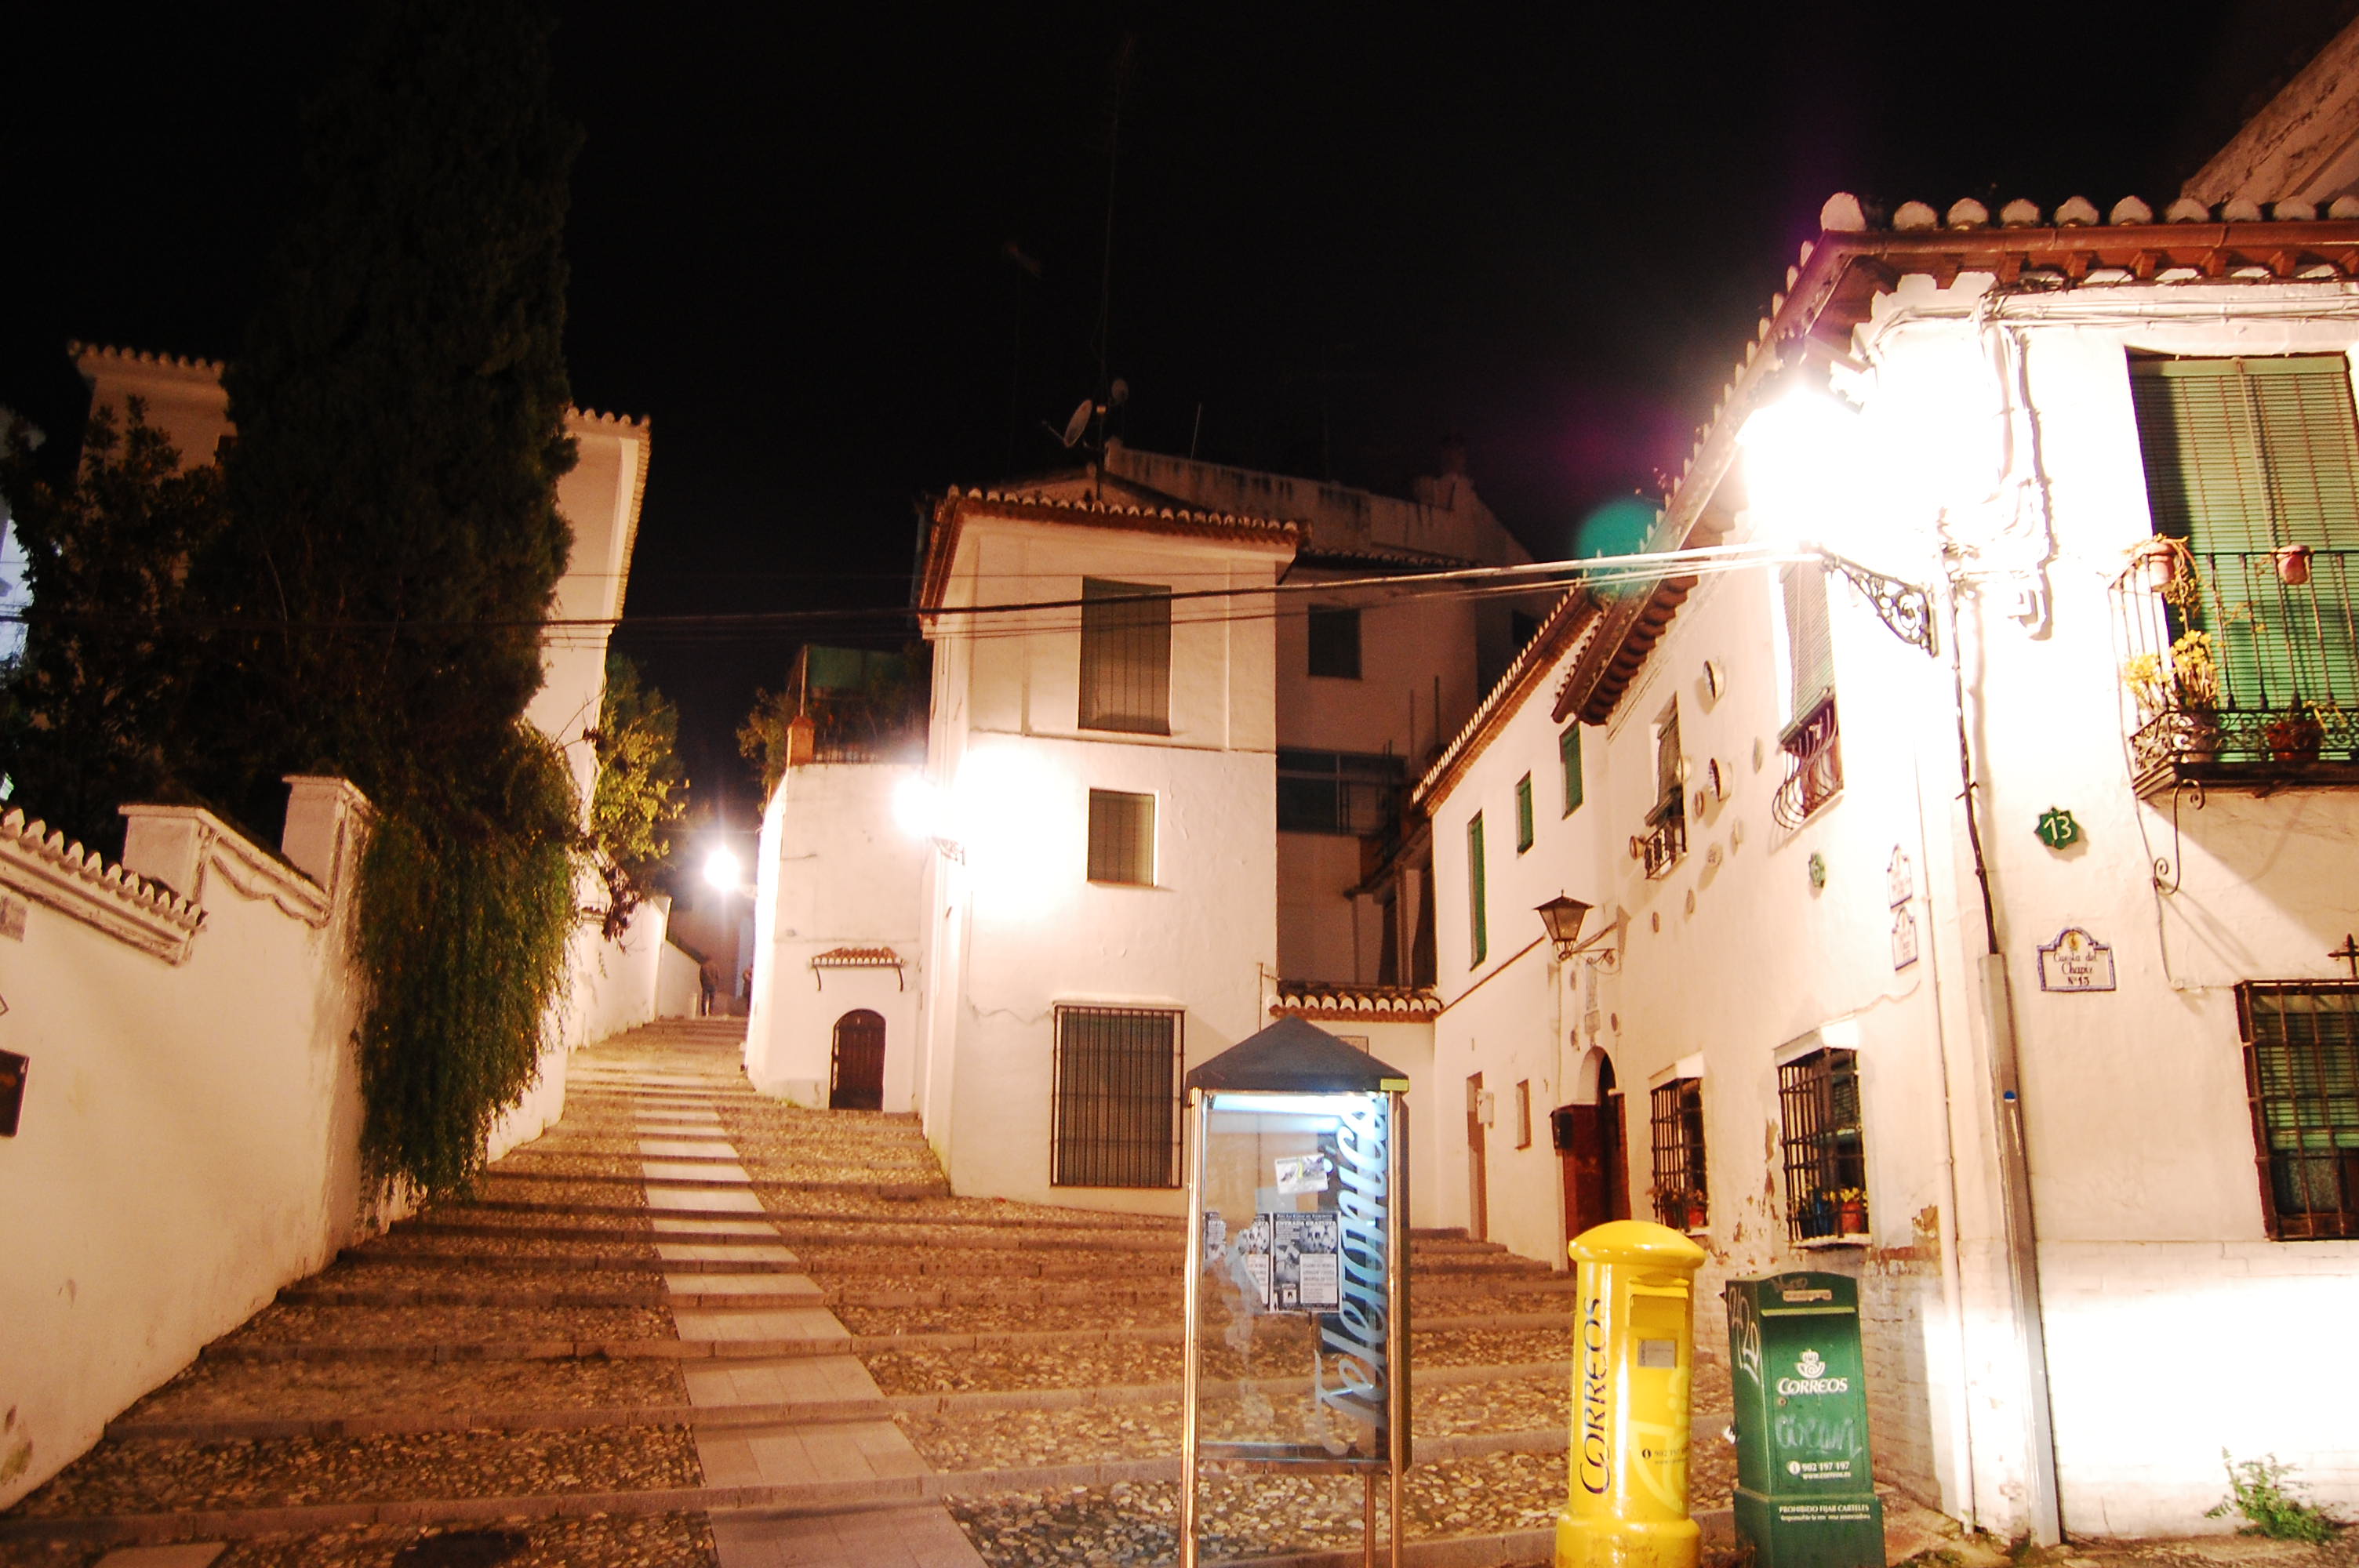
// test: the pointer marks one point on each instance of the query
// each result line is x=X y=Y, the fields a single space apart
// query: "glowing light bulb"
x=721 y=868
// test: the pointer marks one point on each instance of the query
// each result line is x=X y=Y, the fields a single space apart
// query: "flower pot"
x=2293 y=564
x=2294 y=739
x=2156 y=565
x=1854 y=1219
x=1697 y=1216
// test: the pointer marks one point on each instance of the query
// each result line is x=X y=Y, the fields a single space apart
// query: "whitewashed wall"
x=189 y=1135
x=1015 y=926
x=836 y=870
x=678 y=994
x=2140 y=1146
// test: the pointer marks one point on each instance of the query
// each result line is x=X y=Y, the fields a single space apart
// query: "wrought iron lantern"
x=1297 y=1204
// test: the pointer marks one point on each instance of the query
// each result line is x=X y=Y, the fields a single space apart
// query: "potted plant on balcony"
x=2296 y=735
x=2293 y=564
x=2164 y=565
x=2195 y=692
x=1851 y=1212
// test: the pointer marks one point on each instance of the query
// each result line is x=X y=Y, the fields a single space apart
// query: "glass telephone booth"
x=1298 y=1300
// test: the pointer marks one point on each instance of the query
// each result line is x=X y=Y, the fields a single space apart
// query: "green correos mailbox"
x=1805 y=1492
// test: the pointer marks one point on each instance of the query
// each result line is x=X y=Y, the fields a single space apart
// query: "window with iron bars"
x=1812 y=741
x=1825 y=1148
x=1114 y=1111
x=1125 y=675
x=1666 y=838
x=2301 y=1075
x=1675 y=1116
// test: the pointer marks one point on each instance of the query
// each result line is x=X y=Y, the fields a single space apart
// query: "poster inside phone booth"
x=1298 y=1302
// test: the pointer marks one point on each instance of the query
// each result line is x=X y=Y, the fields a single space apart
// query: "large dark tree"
x=400 y=409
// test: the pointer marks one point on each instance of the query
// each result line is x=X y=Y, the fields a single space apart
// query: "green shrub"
x=2263 y=1491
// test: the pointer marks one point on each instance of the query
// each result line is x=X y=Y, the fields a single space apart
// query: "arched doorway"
x=858 y=1080
x=1590 y=1143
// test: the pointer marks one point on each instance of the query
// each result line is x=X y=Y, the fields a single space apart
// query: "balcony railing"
x=2242 y=667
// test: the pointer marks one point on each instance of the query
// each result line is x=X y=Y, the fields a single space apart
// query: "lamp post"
x=1562 y=916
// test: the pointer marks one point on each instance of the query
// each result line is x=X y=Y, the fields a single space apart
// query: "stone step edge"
x=737 y=1349
x=815 y=1412
x=596 y=1262
x=654 y=1295
x=937 y=1188
x=1166 y=1467
x=780 y=1217
x=218 y=1524
x=746 y=1501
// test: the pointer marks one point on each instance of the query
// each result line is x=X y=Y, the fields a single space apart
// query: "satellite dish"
x=1078 y=422
x=1118 y=394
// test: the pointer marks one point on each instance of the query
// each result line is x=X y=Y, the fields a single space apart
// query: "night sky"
x=1338 y=233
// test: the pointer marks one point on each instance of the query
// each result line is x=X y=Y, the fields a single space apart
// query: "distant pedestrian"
x=704 y=984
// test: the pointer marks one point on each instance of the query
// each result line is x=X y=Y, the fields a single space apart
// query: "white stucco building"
x=1153 y=812
x=2071 y=1100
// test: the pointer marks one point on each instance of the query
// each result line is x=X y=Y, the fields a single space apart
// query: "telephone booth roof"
x=1295 y=1056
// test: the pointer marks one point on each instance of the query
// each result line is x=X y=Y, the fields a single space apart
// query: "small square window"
x=1121 y=837
x=1523 y=1113
x=1334 y=641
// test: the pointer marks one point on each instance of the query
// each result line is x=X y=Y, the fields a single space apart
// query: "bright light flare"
x=920 y=808
x=1806 y=472
x=721 y=870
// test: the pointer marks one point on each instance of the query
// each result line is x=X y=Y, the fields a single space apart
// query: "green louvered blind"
x=1810 y=645
x=2242 y=456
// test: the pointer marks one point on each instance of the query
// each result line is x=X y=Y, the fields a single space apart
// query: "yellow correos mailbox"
x=1633 y=1358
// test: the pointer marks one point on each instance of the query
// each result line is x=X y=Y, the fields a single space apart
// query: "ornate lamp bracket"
x=1905 y=610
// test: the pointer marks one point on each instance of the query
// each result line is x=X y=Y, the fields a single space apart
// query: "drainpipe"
x=2042 y=1508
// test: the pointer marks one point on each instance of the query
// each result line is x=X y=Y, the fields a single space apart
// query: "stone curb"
x=579 y=1417
x=610 y=1262
x=732 y=1349
x=214 y=1524
x=654 y=1295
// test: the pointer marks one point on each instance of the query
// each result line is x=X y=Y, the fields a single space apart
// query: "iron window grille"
x=1674 y=1117
x=1114 y=1111
x=1125 y=679
x=1121 y=837
x=1666 y=838
x=1334 y=637
x=1523 y=814
x=2302 y=1077
x=1478 y=917
x=1338 y=792
x=1825 y=1151
x=1813 y=747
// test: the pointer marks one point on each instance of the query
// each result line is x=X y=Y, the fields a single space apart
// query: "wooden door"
x=1591 y=1150
x=1478 y=1186
x=858 y=1083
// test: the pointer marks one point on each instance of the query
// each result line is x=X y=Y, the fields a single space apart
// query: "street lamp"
x=1562 y=916
x=722 y=871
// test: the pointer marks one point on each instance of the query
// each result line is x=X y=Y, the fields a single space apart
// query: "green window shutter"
x=1567 y=753
x=1808 y=644
x=1523 y=814
x=1477 y=920
x=2242 y=456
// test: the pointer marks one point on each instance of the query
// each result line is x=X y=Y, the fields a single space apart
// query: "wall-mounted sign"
x=12 y=1091
x=12 y=918
x=1903 y=938
x=2075 y=961
x=1899 y=879
x=2057 y=830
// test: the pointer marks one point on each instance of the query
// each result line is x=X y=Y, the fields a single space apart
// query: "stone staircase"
x=687 y=1324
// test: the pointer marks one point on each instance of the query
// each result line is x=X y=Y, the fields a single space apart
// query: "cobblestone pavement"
x=621 y=1351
